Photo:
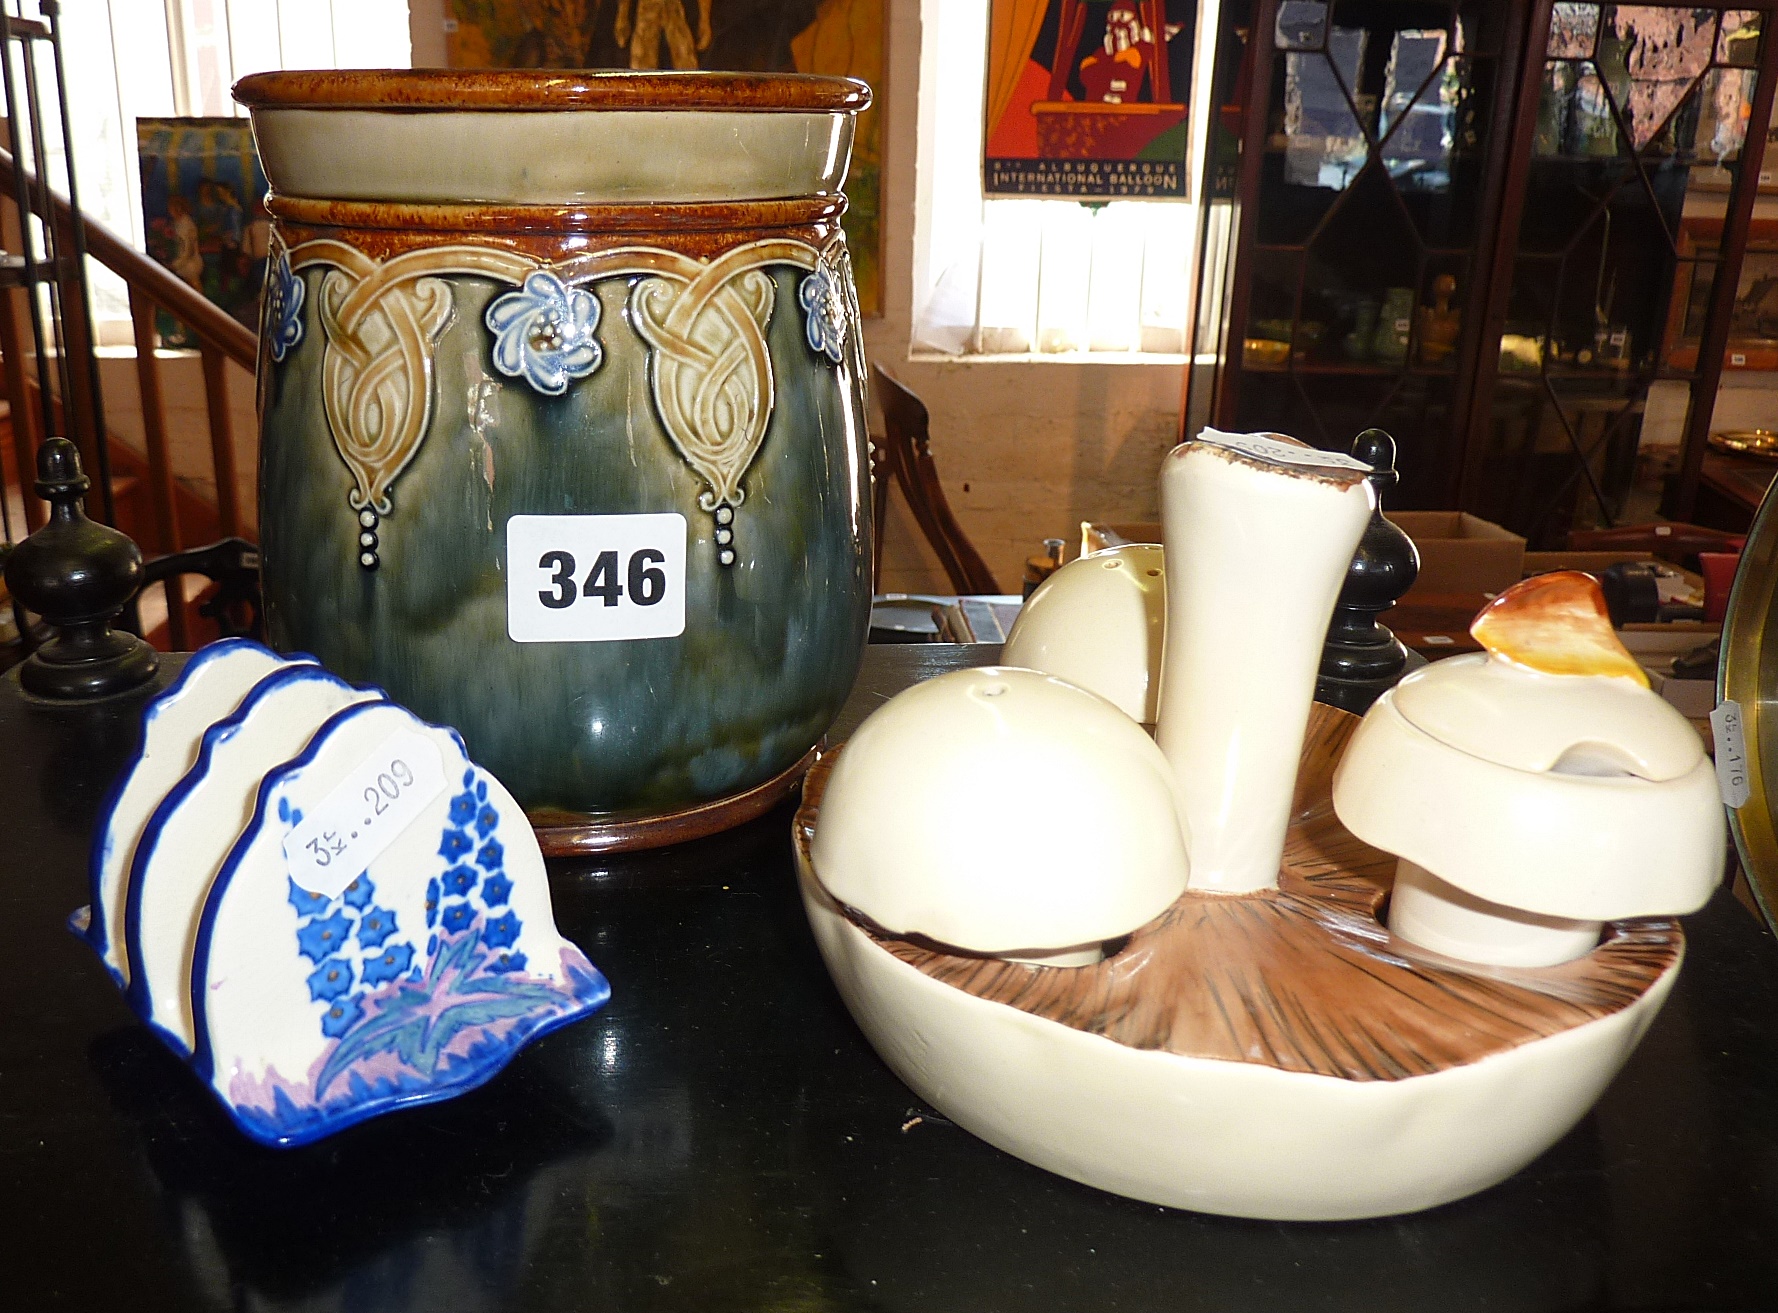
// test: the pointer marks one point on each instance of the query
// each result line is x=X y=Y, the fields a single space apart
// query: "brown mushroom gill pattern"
x=1306 y=977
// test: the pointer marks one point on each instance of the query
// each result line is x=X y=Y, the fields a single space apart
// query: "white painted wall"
x=1027 y=448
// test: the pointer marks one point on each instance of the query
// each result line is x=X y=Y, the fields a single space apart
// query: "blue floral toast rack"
x=320 y=903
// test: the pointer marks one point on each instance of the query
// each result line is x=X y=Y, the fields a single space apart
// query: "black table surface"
x=722 y=1137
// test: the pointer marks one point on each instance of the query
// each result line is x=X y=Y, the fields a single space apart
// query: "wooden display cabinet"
x=1472 y=223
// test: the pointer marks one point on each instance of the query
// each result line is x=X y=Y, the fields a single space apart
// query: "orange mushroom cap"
x=1556 y=623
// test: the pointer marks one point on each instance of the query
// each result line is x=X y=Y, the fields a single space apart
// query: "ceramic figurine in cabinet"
x=1187 y=980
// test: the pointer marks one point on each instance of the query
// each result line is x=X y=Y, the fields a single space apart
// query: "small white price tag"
x=594 y=578
x=364 y=813
x=1263 y=446
x=1726 y=727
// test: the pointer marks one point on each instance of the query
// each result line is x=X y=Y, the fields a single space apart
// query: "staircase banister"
x=161 y=285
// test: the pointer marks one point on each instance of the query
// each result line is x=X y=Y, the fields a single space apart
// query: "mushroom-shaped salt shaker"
x=1534 y=791
x=1099 y=622
x=941 y=820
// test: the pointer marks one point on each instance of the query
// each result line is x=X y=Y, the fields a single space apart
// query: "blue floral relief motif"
x=507 y=962
x=454 y=844
x=375 y=927
x=431 y=905
x=496 y=889
x=491 y=855
x=459 y=880
x=486 y=821
x=321 y=939
x=360 y=892
x=331 y=979
x=463 y=808
x=283 y=307
x=457 y=917
x=824 y=303
x=545 y=333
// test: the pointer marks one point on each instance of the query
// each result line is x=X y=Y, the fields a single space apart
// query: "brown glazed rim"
x=651 y=217
x=531 y=90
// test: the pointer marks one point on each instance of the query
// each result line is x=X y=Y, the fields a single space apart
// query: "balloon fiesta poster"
x=1086 y=99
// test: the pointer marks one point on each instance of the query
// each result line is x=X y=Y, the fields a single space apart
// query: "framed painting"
x=1753 y=323
x=763 y=36
x=1086 y=99
x=203 y=211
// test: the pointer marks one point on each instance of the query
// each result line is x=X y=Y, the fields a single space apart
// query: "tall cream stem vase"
x=1259 y=536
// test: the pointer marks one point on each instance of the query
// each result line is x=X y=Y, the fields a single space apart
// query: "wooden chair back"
x=906 y=455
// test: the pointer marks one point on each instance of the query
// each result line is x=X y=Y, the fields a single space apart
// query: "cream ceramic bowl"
x=1237 y=1138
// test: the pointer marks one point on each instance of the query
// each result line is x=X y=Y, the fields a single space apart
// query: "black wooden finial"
x=77 y=575
x=1361 y=658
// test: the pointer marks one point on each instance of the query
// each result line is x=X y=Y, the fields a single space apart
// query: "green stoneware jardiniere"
x=561 y=416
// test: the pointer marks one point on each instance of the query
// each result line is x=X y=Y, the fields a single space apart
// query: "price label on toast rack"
x=594 y=578
x=364 y=813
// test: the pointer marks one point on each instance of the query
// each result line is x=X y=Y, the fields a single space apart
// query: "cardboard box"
x=1593 y=563
x=1461 y=553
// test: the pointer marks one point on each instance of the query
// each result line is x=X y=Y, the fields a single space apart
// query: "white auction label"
x=1269 y=447
x=1727 y=729
x=364 y=813
x=594 y=578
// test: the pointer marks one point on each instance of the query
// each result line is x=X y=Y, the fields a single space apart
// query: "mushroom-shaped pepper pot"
x=1535 y=791
x=1099 y=622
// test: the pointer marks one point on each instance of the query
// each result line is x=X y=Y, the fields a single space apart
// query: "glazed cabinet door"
x=1618 y=272
x=1370 y=176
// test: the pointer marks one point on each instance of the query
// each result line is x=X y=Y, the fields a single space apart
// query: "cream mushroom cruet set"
x=1253 y=955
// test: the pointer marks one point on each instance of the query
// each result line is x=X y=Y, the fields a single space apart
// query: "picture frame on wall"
x=1087 y=99
x=203 y=213
x=843 y=37
x=1753 y=323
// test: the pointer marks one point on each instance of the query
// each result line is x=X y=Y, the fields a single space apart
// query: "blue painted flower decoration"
x=824 y=303
x=380 y=996
x=402 y=989
x=544 y=333
x=283 y=309
x=331 y=979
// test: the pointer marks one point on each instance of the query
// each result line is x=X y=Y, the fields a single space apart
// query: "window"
x=131 y=58
x=1038 y=276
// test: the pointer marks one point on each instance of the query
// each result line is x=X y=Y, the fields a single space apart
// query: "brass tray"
x=1747 y=442
x=1747 y=674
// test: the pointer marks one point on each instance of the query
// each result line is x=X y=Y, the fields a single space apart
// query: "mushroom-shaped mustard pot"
x=1535 y=791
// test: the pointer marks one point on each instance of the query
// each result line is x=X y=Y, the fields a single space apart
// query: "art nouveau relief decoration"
x=704 y=324
x=581 y=357
x=712 y=375
x=546 y=333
